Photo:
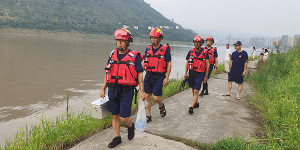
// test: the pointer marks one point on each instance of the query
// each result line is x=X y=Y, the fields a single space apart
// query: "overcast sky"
x=268 y=17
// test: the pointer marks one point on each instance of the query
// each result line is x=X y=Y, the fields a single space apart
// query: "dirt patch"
x=256 y=115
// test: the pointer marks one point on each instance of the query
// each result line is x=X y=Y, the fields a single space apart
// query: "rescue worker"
x=198 y=66
x=124 y=72
x=213 y=62
x=157 y=64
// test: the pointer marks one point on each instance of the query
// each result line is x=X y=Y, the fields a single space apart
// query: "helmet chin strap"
x=121 y=49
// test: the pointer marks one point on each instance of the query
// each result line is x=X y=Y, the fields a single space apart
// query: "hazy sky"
x=268 y=17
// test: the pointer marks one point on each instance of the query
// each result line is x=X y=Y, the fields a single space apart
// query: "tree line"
x=89 y=16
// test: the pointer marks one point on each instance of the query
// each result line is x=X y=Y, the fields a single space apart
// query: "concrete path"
x=141 y=141
x=217 y=117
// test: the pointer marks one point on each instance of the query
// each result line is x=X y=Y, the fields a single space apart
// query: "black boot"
x=131 y=132
x=205 y=85
x=191 y=110
x=202 y=92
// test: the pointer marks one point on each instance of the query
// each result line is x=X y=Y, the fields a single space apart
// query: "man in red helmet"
x=213 y=61
x=124 y=72
x=198 y=65
x=157 y=63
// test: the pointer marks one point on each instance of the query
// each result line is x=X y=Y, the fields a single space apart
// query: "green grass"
x=69 y=128
x=221 y=68
x=278 y=84
x=236 y=144
x=58 y=133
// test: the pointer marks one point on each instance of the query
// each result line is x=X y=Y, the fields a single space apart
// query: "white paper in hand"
x=141 y=120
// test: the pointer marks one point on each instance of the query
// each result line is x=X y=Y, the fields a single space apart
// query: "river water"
x=36 y=73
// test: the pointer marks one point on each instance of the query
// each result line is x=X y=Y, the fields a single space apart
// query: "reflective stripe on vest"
x=211 y=54
x=122 y=70
x=197 y=63
x=156 y=62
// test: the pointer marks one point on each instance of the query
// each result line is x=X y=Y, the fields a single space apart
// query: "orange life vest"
x=156 y=62
x=122 y=70
x=211 y=54
x=197 y=63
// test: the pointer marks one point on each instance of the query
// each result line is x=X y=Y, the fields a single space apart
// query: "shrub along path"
x=216 y=118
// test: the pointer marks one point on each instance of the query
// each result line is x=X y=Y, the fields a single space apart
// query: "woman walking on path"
x=238 y=68
x=198 y=66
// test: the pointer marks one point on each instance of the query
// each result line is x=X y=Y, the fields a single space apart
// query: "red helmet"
x=123 y=34
x=198 y=38
x=210 y=38
x=156 y=32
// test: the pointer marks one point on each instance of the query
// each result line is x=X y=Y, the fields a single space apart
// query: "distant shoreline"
x=73 y=35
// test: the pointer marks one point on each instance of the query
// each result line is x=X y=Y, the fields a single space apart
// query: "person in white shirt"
x=227 y=58
x=253 y=53
x=262 y=53
x=266 y=54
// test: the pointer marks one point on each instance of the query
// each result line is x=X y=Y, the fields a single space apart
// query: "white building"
x=150 y=28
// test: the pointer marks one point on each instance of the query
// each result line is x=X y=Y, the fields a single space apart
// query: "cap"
x=238 y=43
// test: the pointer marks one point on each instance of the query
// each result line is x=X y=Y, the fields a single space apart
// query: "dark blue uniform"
x=211 y=65
x=153 y=81
x=120 y=97
x=196 y=78
x=237 y=68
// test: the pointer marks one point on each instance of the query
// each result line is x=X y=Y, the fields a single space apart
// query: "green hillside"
x=88 y=16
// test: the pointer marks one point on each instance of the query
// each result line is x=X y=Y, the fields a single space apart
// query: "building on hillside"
x=166 y=27
x=126 y=27
x=150 y=28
